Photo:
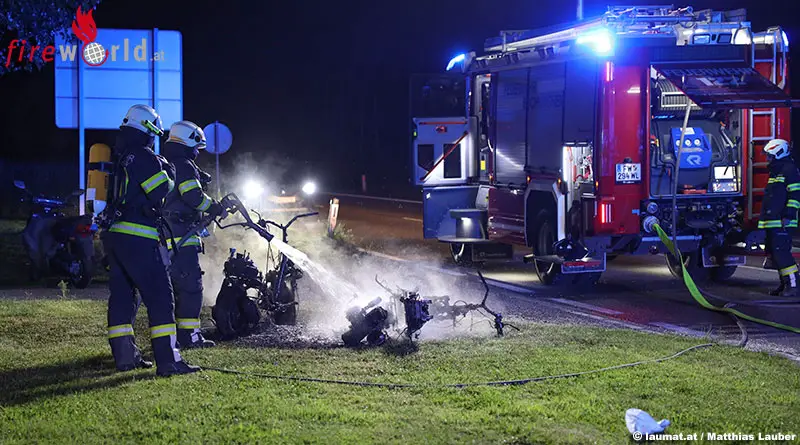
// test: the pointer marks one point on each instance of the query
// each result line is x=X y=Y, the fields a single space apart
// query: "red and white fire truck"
x=577 y=141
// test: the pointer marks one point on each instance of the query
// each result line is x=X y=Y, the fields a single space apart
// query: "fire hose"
x=699 y=296
x=671 y=245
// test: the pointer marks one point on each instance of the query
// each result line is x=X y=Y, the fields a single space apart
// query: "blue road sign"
x=128 y=67
x=218 y=138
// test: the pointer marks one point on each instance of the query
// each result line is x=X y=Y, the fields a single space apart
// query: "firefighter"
x=185 y=206
x=137 y=256
x=779 y=213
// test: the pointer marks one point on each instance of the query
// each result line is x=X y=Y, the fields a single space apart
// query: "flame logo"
x=84 y=26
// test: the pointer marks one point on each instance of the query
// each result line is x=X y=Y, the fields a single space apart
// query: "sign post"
x=218 y=141
x=333 y=215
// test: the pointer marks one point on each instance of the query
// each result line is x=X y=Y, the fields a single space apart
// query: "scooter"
x=58 y=244
x=235 y=312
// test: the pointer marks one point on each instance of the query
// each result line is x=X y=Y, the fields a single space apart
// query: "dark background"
x=308 y=88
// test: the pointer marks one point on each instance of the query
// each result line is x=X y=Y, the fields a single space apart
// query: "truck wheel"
x=722 y=273
x=461 y=253
x=693 y=264
x=548 y=273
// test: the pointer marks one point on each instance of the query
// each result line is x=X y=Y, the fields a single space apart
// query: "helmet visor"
x=155 y=128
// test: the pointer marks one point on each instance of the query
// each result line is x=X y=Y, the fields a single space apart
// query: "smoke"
x=337 y=279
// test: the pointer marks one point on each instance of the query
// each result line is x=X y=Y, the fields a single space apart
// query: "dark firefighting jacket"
x=187 y=202
x=781 y=196
x=145 y=179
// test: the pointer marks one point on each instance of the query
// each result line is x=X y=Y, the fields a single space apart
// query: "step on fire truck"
x=571 y=142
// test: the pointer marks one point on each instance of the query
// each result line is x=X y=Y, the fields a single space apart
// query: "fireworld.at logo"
x=92 y=53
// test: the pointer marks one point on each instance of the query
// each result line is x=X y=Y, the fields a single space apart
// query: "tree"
x=38 y=22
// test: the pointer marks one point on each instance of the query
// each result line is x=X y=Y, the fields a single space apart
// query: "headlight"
x=309 y=188
x=253 y=189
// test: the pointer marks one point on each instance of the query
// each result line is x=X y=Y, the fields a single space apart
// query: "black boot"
x=127 y=355
x=168 y=359
x=191 y=339
x=790 y=289
x=776 y=292
x=177 y=368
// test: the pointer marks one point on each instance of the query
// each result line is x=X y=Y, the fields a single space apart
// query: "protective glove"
x=215 y=210
x=641 y=422
x=205 y=178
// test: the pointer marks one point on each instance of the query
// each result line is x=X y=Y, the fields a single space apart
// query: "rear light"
x=609 y=71
x=86 y=228
x=605 y=213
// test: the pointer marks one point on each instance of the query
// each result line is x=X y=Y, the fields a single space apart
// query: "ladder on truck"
x=760 y=134
x=627 y=21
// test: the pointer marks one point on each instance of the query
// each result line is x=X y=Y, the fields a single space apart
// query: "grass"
x=57 y=385
x=11 y=226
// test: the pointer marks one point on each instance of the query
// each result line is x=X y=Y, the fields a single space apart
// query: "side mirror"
x=19 y=184
x=77 y=192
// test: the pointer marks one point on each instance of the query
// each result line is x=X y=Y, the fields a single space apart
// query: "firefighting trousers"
x=779 y=245
x=187 y=282
x=136 y=264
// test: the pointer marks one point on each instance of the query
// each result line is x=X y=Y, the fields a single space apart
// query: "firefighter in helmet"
x=137 y=254
x=186 y=205
x=779 y=213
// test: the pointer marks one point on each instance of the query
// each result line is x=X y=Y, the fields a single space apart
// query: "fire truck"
x=577 y=140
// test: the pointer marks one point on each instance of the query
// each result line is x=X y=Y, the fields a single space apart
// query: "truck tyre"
x=722 y=273
x=461 y=253
x=548 y=273
x=693 y=264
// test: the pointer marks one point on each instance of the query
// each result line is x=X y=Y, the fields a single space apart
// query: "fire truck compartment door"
x=728 y=88
x=443 y=152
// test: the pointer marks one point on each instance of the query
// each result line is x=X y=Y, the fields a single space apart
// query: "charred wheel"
x=283 y=301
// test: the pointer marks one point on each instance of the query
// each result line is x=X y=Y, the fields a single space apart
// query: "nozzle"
x=373 y=303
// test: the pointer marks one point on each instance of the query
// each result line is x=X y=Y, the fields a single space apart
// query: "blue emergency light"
x=696 y=151
x=457 y=59
x=601 y=41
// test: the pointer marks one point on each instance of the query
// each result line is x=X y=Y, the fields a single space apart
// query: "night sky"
x=297 y=81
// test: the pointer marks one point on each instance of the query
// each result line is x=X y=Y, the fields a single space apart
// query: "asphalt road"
x=636 y=291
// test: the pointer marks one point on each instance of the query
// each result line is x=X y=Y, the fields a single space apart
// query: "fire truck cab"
x=574 y=142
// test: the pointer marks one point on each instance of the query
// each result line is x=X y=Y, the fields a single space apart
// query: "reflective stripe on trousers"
x=188 y=323
x=120 y=330
x=163 y=330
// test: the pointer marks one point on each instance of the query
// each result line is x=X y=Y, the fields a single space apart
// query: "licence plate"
x=629 y=173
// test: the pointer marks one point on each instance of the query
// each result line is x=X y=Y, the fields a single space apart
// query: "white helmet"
x=777 y=149
x=144 y=119
x=187 y=133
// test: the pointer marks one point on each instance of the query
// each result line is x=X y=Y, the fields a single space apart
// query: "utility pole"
x=580 y=10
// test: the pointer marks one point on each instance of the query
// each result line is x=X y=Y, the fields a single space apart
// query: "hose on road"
x=700 y=295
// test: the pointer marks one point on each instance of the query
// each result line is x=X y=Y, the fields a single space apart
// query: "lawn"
x=57 y=385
